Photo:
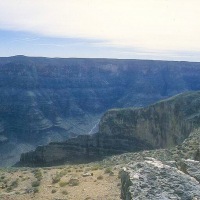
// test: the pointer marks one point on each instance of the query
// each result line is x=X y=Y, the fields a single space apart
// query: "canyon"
x=45 y=100
x=164 y=124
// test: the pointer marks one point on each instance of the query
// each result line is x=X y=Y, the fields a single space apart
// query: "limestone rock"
x=153 y=180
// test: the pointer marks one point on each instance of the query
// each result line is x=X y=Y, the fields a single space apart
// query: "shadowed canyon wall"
x=52 y=99
x=161 y=125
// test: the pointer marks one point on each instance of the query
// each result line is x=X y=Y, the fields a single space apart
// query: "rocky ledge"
x=154 y=180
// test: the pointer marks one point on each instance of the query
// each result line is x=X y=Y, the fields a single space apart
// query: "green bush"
x=64 y=192
x=38 y=174
x=36 y=190
x=62 y=184
x=100 y=177
x=63 y=172
x=35 y=183
x=96 y=167
x=58 y=176
x=15 y=183
x=73 y=182
x=53 y=191
x=56 y=179
x=108 y=170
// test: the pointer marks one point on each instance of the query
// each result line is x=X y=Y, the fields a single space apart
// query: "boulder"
x=153 y=180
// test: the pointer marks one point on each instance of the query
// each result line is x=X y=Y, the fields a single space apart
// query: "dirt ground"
x=69 y=182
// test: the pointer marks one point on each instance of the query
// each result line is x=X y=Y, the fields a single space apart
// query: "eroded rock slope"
x=46 y=99
x=164 y=124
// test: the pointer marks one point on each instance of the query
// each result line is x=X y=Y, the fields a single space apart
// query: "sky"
x=132 y=29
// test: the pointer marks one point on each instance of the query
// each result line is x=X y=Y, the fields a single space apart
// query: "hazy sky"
x=143 y=29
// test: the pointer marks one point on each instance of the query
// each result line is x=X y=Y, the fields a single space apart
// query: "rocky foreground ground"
x=92 y=181
x=160 y=174
x=127 y=176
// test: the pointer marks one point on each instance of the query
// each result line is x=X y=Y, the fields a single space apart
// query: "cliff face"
x=44 y=99
x=164 y=124
x=84 y=148
x=41 y=95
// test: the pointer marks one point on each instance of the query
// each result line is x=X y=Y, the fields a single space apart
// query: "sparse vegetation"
x=63 y=173
x=65 y=192
x=36 y=190
x=73 y=182
x=38 y=174
x=96 y=167
x=62 y=183
x=35 y=183
x=56 y=178
x=14 y=184
x=39 y=181
x=53 y=191
x=108 y=170
x=100 y=177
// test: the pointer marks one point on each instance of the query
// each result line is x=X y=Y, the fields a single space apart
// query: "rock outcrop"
x=153 y=180
x=164 y=124
x=84 y=148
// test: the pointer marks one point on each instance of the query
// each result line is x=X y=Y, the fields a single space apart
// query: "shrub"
x=36 y=190
x=64 y=192
x=9 y=189
x=35 y=183
x=73 y=182
x=38 y=174
x=17 y=192
x=62 y=184
x=111 y=173
x=108 y=170
x=100 y=177
x=14 y=184
x=63 y=172
x=58 y=176
x=96 y=167
x=53 y=191
x=56 y=179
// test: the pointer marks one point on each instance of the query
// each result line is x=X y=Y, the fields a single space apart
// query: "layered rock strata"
x=164 y=124
x=41 y=96
x=46 y=99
